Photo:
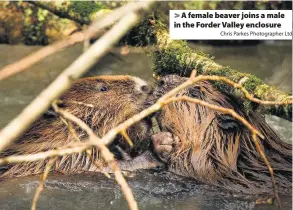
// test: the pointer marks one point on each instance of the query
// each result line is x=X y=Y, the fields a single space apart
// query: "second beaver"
x=102 y=102
x=213 y=147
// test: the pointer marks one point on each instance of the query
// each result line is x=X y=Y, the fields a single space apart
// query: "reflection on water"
x=269 y=62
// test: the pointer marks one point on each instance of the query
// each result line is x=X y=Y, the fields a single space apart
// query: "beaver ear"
x=102 y=87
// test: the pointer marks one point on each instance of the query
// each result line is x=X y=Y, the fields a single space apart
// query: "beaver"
x=213 y=147
x=102 y=102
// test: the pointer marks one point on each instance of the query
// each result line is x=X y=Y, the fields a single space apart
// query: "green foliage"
x=28 y=24
x=85 y=8
x=252 y=82
x=34 y=26
x=171 y=59
x=140 y=35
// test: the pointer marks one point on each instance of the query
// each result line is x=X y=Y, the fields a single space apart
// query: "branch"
x=218 y=108
x=90 y=32
x=175 y=57
x=65 y=79
x=42 y=182
x=106 y=154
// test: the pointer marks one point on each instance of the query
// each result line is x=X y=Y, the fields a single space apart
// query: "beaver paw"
x=164 y=144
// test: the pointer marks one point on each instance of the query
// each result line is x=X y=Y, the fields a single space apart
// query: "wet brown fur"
x=123 y=99
x=216 y=149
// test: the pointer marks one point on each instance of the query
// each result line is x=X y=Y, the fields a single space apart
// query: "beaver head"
x=184 y=120
x=103 y=102
x=213 y=147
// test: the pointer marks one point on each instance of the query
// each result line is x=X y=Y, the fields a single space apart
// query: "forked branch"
x=105 y=152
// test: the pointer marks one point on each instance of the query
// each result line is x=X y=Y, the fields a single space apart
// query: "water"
x=271 y=62
x=95 y=191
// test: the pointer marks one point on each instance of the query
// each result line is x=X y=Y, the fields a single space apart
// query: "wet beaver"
x=102 y=102
x=213 y=147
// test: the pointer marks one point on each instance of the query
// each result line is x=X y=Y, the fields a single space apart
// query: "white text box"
x=231 y=24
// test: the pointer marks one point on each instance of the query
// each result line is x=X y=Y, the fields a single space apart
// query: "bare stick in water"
x=42 y=182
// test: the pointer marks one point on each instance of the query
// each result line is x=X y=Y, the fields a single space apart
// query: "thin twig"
x=70 y=149
x=126 y=137
x=265 y=159
x=227 y=81
x=193 y=73
x=106 y=154
x=80 y=103
x=42 y=182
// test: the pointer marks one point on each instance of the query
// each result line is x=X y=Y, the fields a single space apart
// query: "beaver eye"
x=161 y=83
x=104 y=89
